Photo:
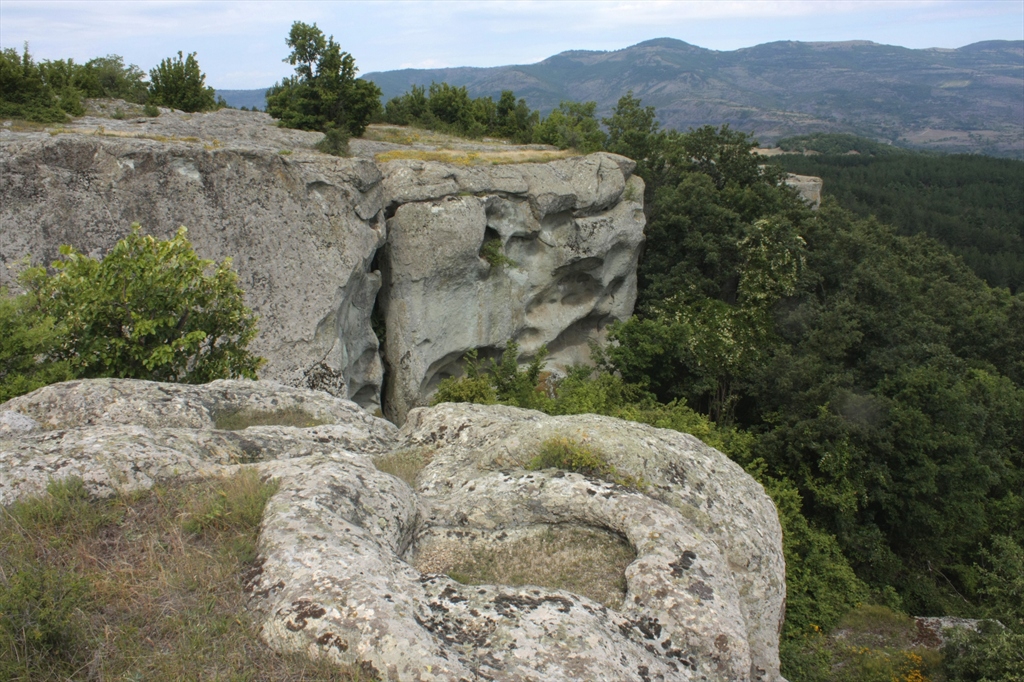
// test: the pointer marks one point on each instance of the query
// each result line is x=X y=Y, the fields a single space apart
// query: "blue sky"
x=241 y=44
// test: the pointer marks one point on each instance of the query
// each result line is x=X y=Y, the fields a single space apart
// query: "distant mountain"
x=967 y=99
x=245 y=98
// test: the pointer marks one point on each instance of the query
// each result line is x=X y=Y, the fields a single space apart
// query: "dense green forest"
x=972 y=204
x=869 y=379
x=864 y=361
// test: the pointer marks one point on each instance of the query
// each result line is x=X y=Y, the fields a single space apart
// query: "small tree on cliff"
x=324 y=93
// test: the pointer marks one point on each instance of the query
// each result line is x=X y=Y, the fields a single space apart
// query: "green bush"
x=581 y=457
x=324 y=93
x=995 y=654
x=24 y=93
x=179 y=84
x=149 y=310
x=572 y=125
x=335 y=142
x=491 y=251
x=25 y=339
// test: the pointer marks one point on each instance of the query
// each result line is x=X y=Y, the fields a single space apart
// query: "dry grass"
x=286 y=416
x=19 y=125
x=101 y=131
x=141 y=588
x=400 y=135
x=582 y=560
x=477 y=158
x=404 y=464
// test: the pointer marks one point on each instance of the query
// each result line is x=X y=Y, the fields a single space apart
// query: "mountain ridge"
x=967 y=99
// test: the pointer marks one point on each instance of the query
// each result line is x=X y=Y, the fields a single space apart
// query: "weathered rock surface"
x=339 y=539
x=808 y=187
x=571 y=230
x=736 y=537
x=121 y=435
x=303 y=229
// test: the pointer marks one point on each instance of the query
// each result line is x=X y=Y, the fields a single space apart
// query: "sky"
x=241 y=44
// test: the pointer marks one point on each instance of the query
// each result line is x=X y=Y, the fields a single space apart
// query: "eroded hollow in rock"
x=583 y=560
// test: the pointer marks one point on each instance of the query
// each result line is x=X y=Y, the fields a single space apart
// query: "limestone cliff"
x=306 y=231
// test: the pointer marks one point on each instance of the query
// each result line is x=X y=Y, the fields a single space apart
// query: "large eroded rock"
x=304 y=228
x=572 y=231
x=339 y=541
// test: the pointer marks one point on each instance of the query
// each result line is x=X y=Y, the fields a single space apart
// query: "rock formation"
x=565 y=239
x=340 y=540
x=304 y=229
x=808 y=187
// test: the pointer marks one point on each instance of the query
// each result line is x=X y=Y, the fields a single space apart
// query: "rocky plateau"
x=341 y=540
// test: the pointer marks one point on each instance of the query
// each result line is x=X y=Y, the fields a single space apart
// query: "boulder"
x=808 y=187
x=342 y=543
x=565 y=239
x=122 y=435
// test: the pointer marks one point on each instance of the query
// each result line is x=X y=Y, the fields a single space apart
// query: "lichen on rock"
x=338 y=547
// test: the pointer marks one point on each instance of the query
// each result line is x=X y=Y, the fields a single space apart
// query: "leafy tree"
x=971 y=203
x=571 y=125
x=633 y=131
x=24 y=92
x=324 y=92
x=514 y=119
x=179 y=84
x=109 y=77
x=148 y=310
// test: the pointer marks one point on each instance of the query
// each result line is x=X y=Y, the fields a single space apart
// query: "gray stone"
x=301 y=228
x=808 y=187
x=574 y=238
x=338 y=542
x=121 y=435
x=15 y=423
x=720 y=503
x=304 y=229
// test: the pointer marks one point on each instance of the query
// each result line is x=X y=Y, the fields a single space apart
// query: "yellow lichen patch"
x=477 y=158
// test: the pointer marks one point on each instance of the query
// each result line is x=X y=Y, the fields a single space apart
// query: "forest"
x=863 y=361
x=971 y=203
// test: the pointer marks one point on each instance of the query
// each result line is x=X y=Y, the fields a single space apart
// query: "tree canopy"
x=324 y=93
x=179 y=84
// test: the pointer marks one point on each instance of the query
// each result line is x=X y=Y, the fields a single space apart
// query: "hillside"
x=968 y=99
x=973 y=204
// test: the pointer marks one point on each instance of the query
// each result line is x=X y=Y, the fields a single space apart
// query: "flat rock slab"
x=335 y=574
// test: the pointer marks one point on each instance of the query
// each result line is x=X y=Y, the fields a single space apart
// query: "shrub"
x=151 y=110
x=492 y=252
x=179 y=84
x=335 y=142
x=24 y=93
x=149 y=310
x=475 y=387
x=25 y=339
x=324 y=93
x=579 y=456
